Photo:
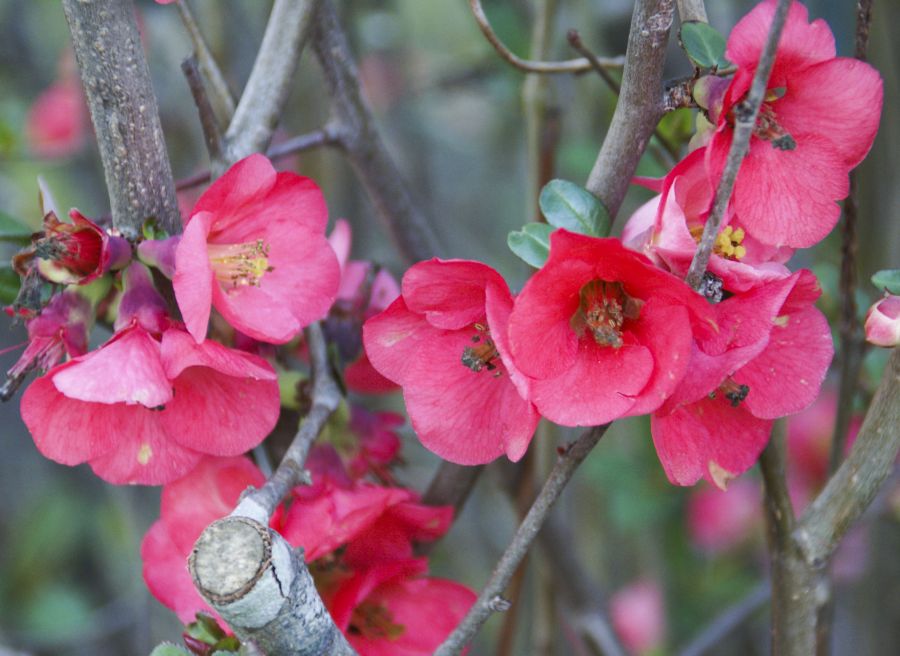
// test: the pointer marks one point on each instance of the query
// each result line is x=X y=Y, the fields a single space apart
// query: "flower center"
x=602 y=310
x=240 y=265
x=374 y=621
x=768 y=128
x=481 y=356
x=733 y=392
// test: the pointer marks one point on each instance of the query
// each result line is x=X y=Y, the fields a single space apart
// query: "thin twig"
x=212 y=133
x=326 y=396
x=692 y=10
x=745 y=115
x=640 y=103
x=580 y=65
x=490 y=601
x=259 y=108
x=220 y=95
x=850 y=330
x=723 y=624
x=360 y=140
x=327 y=136
x=774 y=473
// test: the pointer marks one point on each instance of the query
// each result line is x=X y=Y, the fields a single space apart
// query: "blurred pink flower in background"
x=639 y=616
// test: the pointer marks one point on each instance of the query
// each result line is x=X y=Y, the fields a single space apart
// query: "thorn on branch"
x=499 y=605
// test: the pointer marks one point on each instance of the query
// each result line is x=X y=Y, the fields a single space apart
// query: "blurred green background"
x=451 y=113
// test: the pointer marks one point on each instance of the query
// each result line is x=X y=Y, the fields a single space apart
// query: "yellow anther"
x=739 y=252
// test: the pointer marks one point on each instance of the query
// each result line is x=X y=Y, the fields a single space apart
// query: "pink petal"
x=236 y=194
x=450 y=293
x=600 y=386
x=194 y=279
x=340 y=239
x=353 y=592
x=257 y=314
x=178 y=352
x=708 y=439
x=391 y=336
x=126 y=369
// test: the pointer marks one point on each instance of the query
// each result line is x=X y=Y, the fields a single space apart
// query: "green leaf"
x=531 y=243
x=168 y=649
x=9 y=285
x=888 y=280
x=703 y=45
x=205 y=629
x=566 y=205
x=13 y=230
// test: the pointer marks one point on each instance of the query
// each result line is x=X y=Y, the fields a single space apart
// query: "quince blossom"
x=255 y=249
x=816 y=124
x=444 y=341
x=145 y=406
x=883 y=322
x=603 y=333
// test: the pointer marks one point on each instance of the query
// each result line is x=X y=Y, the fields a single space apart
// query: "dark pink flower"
x=767 y=360
x=57 y=122
x=188 y=505
x=883 y=322
x=444 y=342
x=255 y=249
x=668 y=227
x=61 y=329
x=146 y=405
x=719 y=520
x=603 y=333
x=817 y=123
x=639 y=616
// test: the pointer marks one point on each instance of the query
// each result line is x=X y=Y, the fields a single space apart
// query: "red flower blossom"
x=209 y=492
x=57 y=121
x=768 y=360
x=883 y=322
x=603 y=332
x=255 y=249
x=146 y=405
x=444 y=342
x=817 y=123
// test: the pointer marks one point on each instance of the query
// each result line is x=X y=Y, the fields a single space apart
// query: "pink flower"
x=61 y=329
x=444 y=341
x=817 y=123
x=56 y=125
x=883 y=322
x=72 y=253
x=667 y=229
x=767 y=360
x=188 y=505
x=255 y=249
x=719 y=520
x=147 y=405
x=365 y=291
x=639 y=616
x=603 y=332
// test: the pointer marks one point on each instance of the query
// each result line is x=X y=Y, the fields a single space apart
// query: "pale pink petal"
x=126 y=369
x=193 y=280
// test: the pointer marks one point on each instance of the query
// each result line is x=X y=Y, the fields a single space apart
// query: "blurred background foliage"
x=452 y=114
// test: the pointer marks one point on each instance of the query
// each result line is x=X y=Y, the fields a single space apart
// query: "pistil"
x=603 y=308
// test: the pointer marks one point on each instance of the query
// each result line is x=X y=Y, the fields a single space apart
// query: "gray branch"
x=640 y=104
x=692 y=10
x=124 y=112
x=363 y=146
x=490 y=599
x=745 y=115
x=267 y=89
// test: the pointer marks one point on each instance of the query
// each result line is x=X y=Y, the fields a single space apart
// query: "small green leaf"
x=703 y=45
x=566 y=205
x=205 y=629
x=531 y=243
x=168 y=649
x=13 y=230
x=888 y=280
x=9 y=285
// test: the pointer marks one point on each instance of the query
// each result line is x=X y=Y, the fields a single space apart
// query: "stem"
x=745 y=115
x=363 y=146
x=490 y=600
x=692 y=10
x=262 y=101
x=220 y=95
x=640 y=103
x=212 y=133
x=850 y=332
x=568 y=66
x=326 y=397
x=124 y=112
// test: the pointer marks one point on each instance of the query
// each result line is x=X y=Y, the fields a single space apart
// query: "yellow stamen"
x=239 y=264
